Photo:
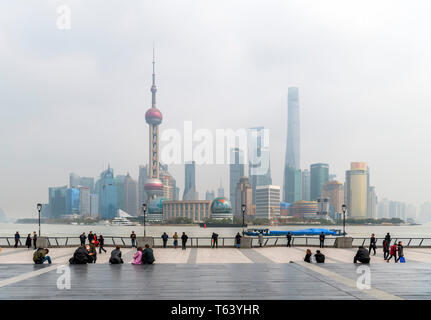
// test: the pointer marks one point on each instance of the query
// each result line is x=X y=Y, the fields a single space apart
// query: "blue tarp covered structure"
x=302 y=232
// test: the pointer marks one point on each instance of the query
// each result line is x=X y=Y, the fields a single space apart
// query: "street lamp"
x=39 y=208
x=344 y=208
x=243 y=208
x=144 y=209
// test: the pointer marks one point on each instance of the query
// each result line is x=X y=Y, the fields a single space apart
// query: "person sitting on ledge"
x=137 y=257
x=147 y=255
x=320 y=257
x=308 y=256
x=116 y=256
x=40 y=256
x=362 y=255
x=81 y=256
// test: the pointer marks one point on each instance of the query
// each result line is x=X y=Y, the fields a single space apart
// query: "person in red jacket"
x=393 y=252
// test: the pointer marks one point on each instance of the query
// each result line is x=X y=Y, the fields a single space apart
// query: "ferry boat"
x=121 y=221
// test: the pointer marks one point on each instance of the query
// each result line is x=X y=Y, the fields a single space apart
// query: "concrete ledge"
x=142 y=241
x=343 y=242
x=42 y=242
x=246 y=243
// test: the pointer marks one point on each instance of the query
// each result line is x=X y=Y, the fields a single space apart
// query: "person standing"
x=260 y=239
x=372 y=244
x=133 y=238
x=184 y=241
x=388 y=238
x=17 y=237
x=82 y=238
x=385 y=249
x=214 y=238
x=93 y=250
x=238 y=240
x=289 y=238
x=34 y=240
x=393 y=253
x=28 y=241
x=400 y=249
x=322 y=240
x=165 y=238
x=175 y=236
x=101 y=244
x=90 y=237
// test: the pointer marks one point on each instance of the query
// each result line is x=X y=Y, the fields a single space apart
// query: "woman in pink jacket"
x=137 y=257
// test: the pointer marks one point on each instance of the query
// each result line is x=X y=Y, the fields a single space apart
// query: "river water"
x=9 y=229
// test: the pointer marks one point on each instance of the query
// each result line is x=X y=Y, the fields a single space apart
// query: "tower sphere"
x=153 y=116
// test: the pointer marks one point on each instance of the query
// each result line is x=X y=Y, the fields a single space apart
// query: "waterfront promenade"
x=223 y=273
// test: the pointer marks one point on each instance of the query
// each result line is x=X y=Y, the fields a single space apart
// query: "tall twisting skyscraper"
x=154 y=186
x=292 y=173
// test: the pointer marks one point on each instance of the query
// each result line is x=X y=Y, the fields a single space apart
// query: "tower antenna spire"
x=153 y=86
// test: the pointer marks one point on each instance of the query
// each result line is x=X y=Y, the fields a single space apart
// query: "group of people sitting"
x=317 y=258
x=87 y=254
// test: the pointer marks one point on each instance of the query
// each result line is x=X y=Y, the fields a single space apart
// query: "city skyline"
x=93 y=102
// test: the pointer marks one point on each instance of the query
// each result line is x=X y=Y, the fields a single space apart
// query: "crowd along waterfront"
x=9 y=229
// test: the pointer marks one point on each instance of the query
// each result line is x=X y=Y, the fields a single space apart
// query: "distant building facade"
x=268 y=202
x=236 y=171
x=319 y=175
x=356 y=191
x=197 y=210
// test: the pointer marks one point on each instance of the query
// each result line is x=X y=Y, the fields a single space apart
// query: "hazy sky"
x=74 y=100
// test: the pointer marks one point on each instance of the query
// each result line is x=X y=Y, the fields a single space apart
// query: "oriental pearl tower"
x=153 y=116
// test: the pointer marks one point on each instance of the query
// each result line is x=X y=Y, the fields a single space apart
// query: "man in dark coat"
x=28 y=241
x=362 y=255
x=34 y=240
x=214 y=239
x=184 y=238
x=238 y=240
x=116 y=256
x=17 y=236
x=80 y=256
x=165 y=238
x=322 y=240
x=320 y=257
x=82 y=238
x=148 y=255
x=90 y=236
x=289 y=238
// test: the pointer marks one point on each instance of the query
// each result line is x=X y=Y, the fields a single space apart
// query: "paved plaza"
x=223 y=273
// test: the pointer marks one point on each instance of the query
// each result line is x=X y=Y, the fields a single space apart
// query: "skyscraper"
x=334 y=191
x=131 y=195
x=243 y=196
x=210 y=195
x=305 y=185
x=108 y=195
x=319 y=175
x=292 y=173
x=190 y=183
x=153 y=116
x=259 y=166
x=236 y=171
x=356 y=191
